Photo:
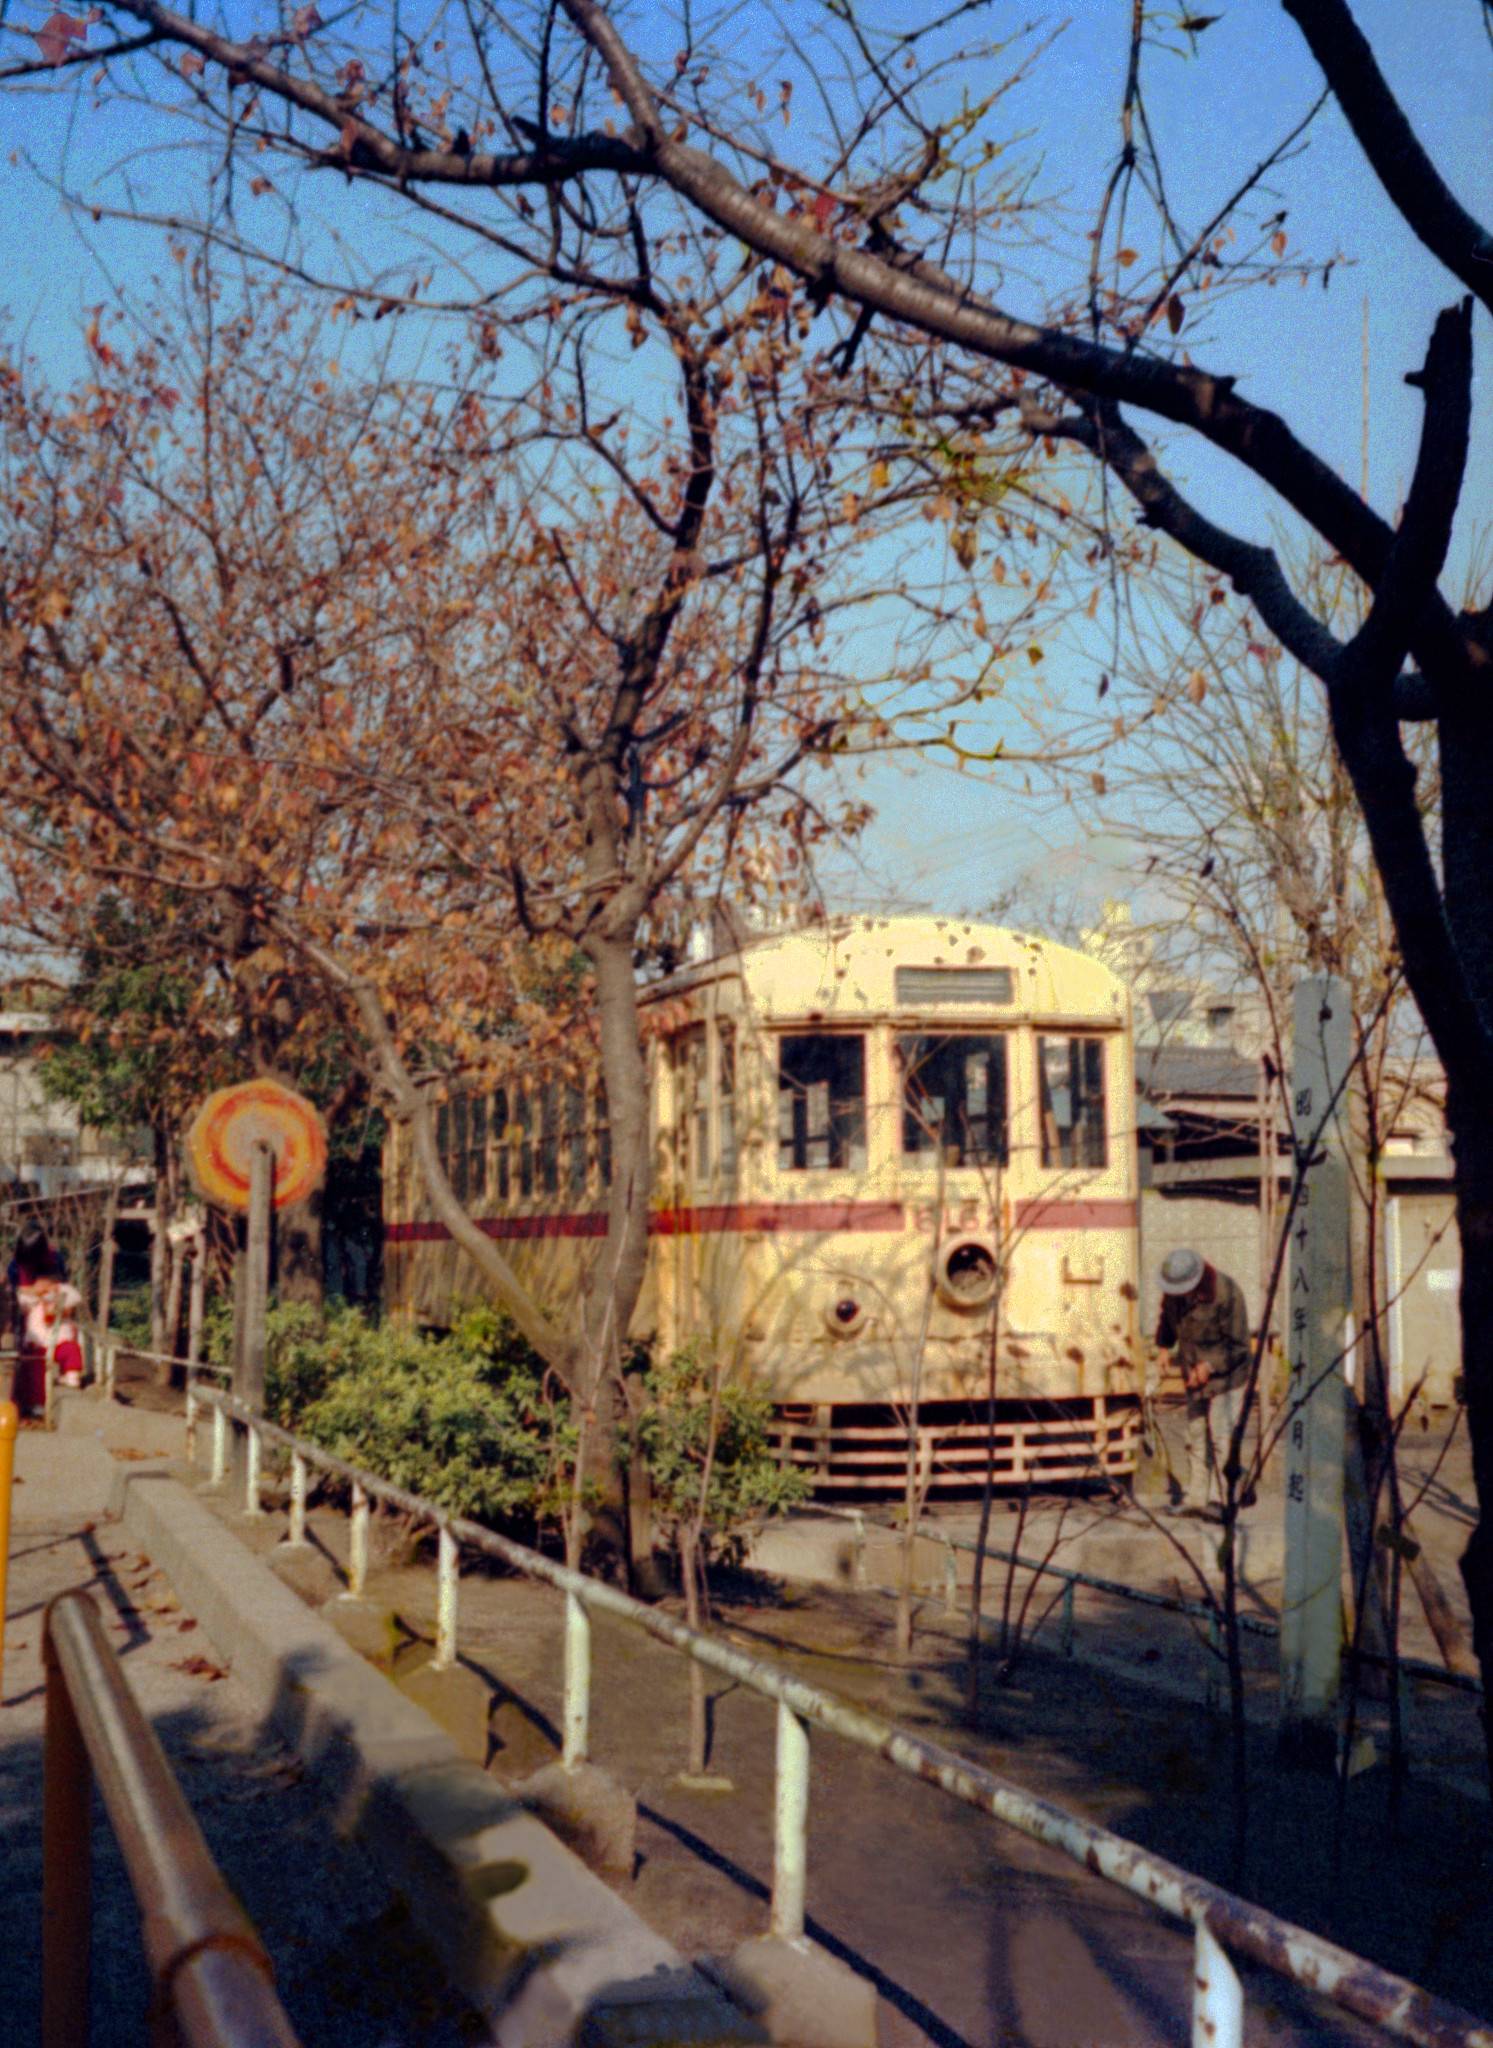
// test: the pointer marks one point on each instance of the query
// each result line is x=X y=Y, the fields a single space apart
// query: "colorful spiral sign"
x=220 y=1144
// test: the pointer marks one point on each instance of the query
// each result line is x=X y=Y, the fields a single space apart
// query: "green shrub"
x=466 y=1421
x=672 y=1430
x=129 y=1315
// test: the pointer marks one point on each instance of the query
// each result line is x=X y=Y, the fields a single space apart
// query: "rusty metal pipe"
x=206 y=1962
x=67 y=1858
x=1360 y=1987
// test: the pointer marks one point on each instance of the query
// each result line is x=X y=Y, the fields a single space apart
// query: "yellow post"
x=10 y=1422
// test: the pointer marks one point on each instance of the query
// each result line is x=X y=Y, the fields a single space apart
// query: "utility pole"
x=1311 y=1621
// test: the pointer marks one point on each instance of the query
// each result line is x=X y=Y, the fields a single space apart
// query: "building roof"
x=1197 y=1070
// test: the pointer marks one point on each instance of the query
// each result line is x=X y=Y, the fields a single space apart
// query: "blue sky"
x=942 y=839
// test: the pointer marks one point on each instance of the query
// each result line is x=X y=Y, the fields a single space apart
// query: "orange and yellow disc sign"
x=220 y=1144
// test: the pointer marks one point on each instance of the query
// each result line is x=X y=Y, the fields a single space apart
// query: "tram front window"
x=822 y=1102
x=1071 y=1073
x=954 y=1099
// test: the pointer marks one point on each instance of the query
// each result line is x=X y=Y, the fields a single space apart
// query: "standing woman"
x=44 y=1304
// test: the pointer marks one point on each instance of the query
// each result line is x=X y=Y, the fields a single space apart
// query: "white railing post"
x=1217 y=1996
x=111 y=1355
x=191 y=1421
x=448 y=1579
x=251 y=1473
x=790 y=1849
x=950 y=1577
x=357 y=1545
x=577 y=1732
x=297 y=1499
x=220 y=1447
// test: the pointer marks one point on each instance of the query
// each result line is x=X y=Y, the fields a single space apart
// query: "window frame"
x=1081 y=1101
x=841 y=1135
x=926 y=1154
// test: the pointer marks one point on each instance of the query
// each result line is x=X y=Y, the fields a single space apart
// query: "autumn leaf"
x=1098 y=783
x=1278 y=241
x=191 y=63
x=1194 y=24
x=881 y=476
x=966 y=548
x=59 y=29
x=1197 y=686
x=825 y=204
x=1126 y=257
x=1176 y=312
x=200 y=1667
x=304 y=22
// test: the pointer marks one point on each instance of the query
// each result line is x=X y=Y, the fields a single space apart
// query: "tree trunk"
x=689 y=1567
x=106 y=1263
x=615 y=1280
x=1471 y=1120
x=177 y=1262
x=160 y=1249
x=298 y=1252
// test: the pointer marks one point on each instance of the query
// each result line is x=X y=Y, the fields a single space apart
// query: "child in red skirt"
x=44 y=1306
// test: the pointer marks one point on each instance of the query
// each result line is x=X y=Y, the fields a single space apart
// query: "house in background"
x=45 y=1151
x=1215 y=1160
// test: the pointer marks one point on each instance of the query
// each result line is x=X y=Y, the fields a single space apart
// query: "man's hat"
x=1181 y=1272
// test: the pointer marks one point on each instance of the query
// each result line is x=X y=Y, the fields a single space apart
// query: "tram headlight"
x=967 y=1273
x=845 y=1316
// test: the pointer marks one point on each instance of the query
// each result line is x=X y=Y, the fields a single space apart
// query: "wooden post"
x=106 y=1262
x=249 y=1378
x=1317 y=1302
x=197 y=1299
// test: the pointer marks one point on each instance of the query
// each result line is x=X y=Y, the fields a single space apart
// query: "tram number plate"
x=968 y=1215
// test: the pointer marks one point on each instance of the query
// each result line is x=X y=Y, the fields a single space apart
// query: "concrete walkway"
x=350 y=1969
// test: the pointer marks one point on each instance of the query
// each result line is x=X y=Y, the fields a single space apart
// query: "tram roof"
x=864 y=965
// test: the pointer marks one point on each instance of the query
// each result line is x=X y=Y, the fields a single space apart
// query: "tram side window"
x=603 y=1117
x=575 y=1136
x=500 y=1133
x=549 y=1138
x=954 y=1098
x=477 y=1149
x=692 y=1102
x=1071 y=1074
x=523 y=1116
x=822 y=1102
x=725 y=1093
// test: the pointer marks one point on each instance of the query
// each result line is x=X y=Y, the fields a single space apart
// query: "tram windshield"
x=954 y=1098
x=822 y=1101
x=1071 y=1072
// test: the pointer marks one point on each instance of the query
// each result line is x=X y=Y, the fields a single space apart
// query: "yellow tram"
x=891 y=1155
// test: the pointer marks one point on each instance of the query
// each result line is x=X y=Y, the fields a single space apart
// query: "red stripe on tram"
x=739 y=1217
x=693 y=1222
x=1040 y=1215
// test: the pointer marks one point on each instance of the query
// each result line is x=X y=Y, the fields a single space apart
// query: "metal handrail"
x=208 y=1970
x=1221 y=1920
